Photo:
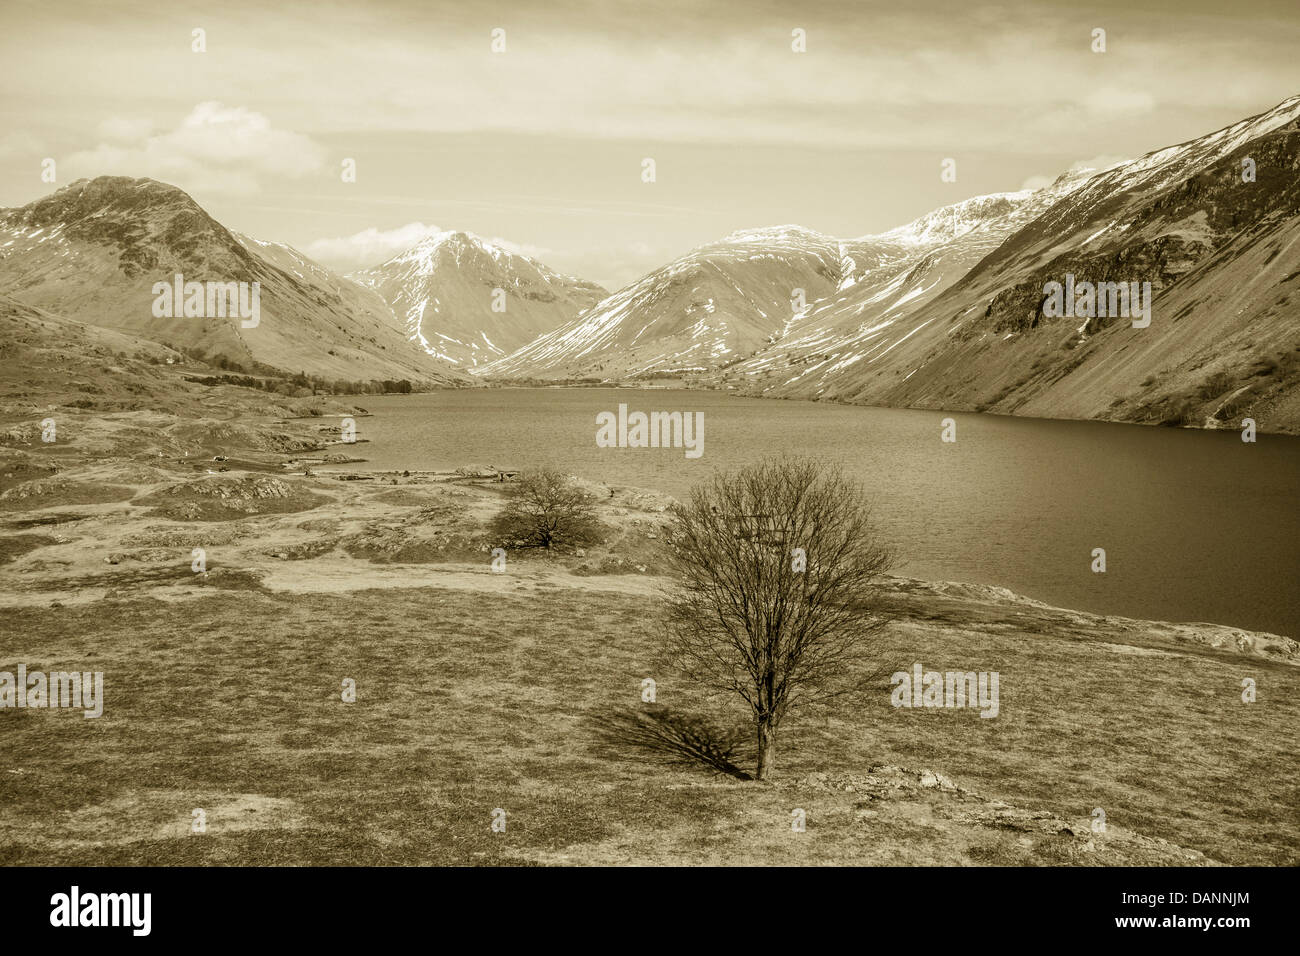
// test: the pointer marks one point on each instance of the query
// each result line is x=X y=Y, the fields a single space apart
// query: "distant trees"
x=545 y=509
x=268 y=378
x=777 y=603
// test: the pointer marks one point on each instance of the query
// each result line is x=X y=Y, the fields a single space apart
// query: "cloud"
x=923 y=75
x=215 y=147
x=369 y=247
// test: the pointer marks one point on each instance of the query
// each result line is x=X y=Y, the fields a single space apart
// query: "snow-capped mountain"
x=781 y=291
x=709 y=307
x=92 y=251
x=1222 y=254
x=469 y=301
x=887 y=276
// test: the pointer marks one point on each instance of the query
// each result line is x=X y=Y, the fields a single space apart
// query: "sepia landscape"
x=955 y=527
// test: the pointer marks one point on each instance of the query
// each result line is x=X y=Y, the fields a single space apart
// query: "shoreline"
x=368 y=514
x=737 y=393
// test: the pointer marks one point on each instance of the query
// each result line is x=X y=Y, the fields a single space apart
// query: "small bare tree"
x=778 y=564
x=545 y=509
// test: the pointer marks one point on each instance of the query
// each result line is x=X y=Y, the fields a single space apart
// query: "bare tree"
x=777 y=603
x=545 y=509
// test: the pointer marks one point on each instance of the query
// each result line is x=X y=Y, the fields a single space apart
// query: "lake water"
x=1197 y=526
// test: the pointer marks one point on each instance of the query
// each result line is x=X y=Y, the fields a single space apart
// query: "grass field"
x=467 y=701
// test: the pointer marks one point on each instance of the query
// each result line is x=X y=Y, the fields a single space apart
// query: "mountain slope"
x=444 y=291
x=93 y=250
x=355 y=296
x=1224 y=266
x=708 y=307
x=888 y=275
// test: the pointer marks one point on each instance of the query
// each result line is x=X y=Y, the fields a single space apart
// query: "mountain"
x=93 y=250
x=706 y=308
x=444 y=291
x=1223 y=259
x=720 y=305
x=889 y=275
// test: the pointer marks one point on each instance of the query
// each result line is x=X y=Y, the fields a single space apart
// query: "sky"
x=542 y=145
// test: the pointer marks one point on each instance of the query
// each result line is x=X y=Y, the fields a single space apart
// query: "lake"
x=1197 y=526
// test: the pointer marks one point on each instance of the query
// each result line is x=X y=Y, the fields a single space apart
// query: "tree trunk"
x=766 y=749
